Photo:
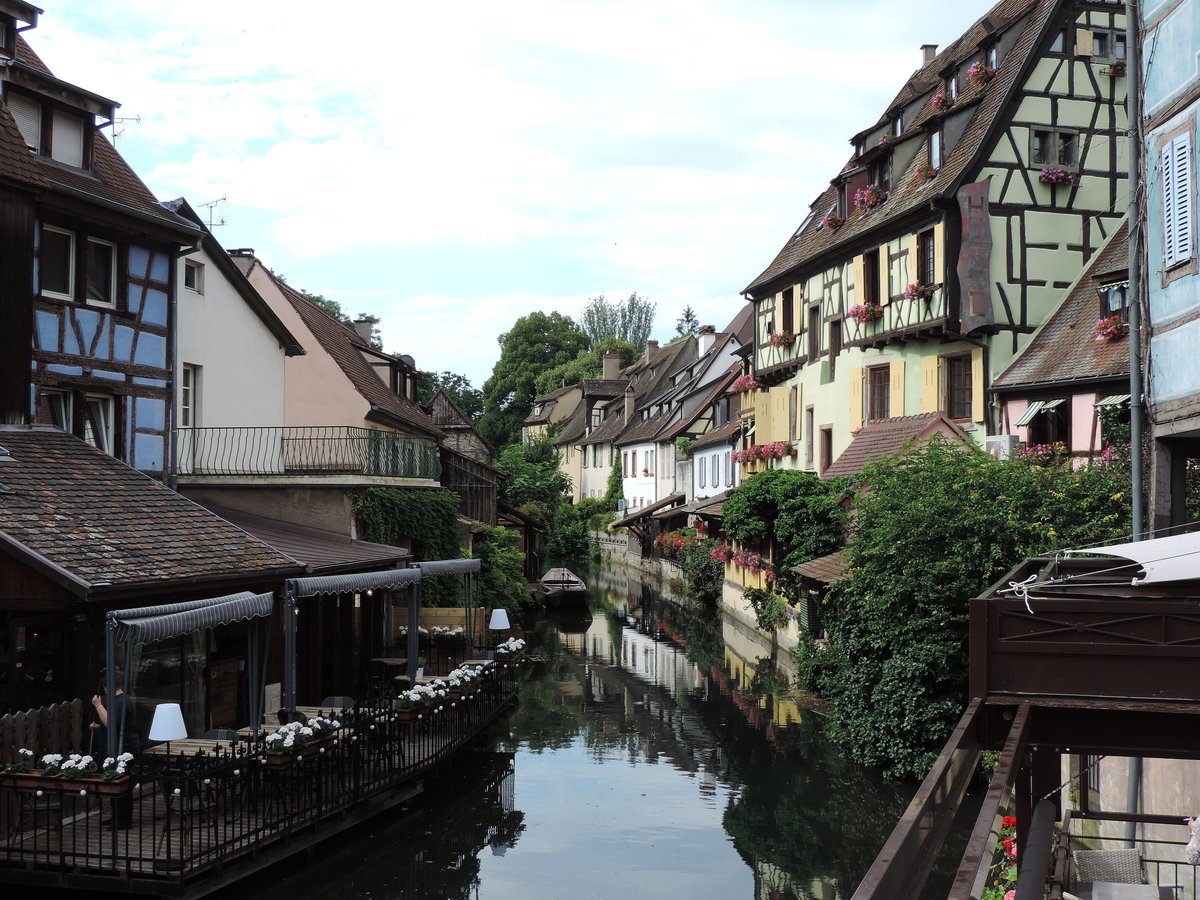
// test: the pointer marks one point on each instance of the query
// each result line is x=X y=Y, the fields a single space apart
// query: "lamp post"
x=168 y=725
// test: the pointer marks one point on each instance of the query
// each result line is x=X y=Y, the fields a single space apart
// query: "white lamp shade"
x=499 y=620
x=168 y=723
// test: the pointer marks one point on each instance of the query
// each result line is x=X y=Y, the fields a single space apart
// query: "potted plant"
x=926 y=173
x=782 y=339
x=863 y=313
x=1116 y=69
x=744 y=383
x=76 y=766
x=869 y=197
x=1111 y=328
x=1055 y=175
x=980 y=73
x=919 y=291
x=941 y=102
x=832 y=221
x=23 y=762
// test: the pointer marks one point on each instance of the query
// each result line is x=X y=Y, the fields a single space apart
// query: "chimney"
x=611 y=365
x=651 y=346
x=364 y=328
x=630 y=404
x=708 y=337
x=928 y=52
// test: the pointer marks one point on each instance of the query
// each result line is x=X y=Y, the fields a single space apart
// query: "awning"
x=650 y=509
x=1036 y=407
x=1172 y=558
x=161 y=623
x=448 y=566
x=1113 y=400
x=825 y=569
x=386 y=580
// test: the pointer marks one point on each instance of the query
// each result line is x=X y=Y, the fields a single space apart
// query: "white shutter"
x=1181 y=173
x=66 y=144
x=28 y=114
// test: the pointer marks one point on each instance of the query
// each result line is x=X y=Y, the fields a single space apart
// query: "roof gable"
x=887 y=437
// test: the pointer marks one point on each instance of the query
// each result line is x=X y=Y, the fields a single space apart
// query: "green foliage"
x=769 y=679
x=425 y=520
x=704 y=575
x=683 y=445
x=935 y=527
x=568 y=537
x=615 y=489
x=502 y=569
x=530 y=474
x=770 y=609
x=630 y=321
x=687 y=323
x=588 y=364
x=537 y=342
x=458 y=387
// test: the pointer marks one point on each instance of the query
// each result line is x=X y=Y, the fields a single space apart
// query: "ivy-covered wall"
x=426 y=521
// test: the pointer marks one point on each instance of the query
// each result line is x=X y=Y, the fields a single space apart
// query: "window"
x=193 y=280
x=878 y=387
x=585 y=455
x=98 y=422
x=1108 y=45
x=625 y=463
x=1053 y=148
x=1051 y=423
x=57 y=262
x=66 y=139
x=814 y=333
x=1114 y=298
x=952 y=85
x=1176 y=165
x=788 y=322
x=958 y=387
x=935 y=148
x=842 y=205
x=189 y=390
x=925 y=258
x=28 y=113
x=809 y=420
x=871 y=276
x=879 y=171
x=101 y=272
x=993 y=57
x=596 y=455
x=826 y=446
x=898 y=124
x=721 y=412
x=703 y=462
x=835 y=344
x=55 y=408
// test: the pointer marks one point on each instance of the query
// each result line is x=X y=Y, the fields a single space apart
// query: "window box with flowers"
x=1055 y=175
x=744 y=383
x=832 y=221
x=926 y=173
x=980 y=74
x=1116 y=69
x=869 y=197
x=782 y=339
x=864 y=313
x=941 y=101
x=1111 y=328
x=919 y=291
x=1043 y=454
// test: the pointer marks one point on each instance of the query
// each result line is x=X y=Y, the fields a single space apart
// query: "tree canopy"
x=630 y=321
x=536 y=343
x=588 y=364
x=687 y=323
x=458 y=387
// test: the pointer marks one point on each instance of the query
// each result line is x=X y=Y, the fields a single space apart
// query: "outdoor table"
x=391 y=662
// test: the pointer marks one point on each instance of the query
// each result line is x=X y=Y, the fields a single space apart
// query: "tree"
x=536 y=342
x=630 y=321
x=458 y=387
x=615 y=490
x=530 y=475
x=687 y=323
x=588 y=364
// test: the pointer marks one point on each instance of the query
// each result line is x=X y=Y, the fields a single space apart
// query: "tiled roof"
x=742 y=326
x=724 y=433
x=908 y=192
x=603 y=387
x=1065 y=347
x=17 y=164
x=713 y=391
x=648 y=510
x=542 y=411
x=573 y=426
x=610 y=429
x=346 y=346
x=642 y=430
x=826 y=569
x=887 y=437
x=103 y=523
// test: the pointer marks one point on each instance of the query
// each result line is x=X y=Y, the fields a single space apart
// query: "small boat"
x=562 y=586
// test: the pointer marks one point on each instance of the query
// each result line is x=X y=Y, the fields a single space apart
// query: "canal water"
x=655 y=753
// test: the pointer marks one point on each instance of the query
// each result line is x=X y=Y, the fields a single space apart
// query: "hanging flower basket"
x=869 y=197
x=864 y=313
x=980 y=74
x=832 y=221
x=744 y=383
x=1055 y=175
x=919 y=291
x=782 y=339
x=1116 y=69
x=1112 y=328
x=941 y=101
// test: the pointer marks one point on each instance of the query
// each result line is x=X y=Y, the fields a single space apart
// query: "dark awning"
x=386 y=580
x=448 y=566
x=649 y=509
x=170 y=620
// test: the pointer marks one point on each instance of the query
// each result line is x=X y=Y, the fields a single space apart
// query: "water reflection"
x=654 y=753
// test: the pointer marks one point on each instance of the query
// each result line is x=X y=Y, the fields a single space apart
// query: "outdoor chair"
x=337 y=702
x=221 y=734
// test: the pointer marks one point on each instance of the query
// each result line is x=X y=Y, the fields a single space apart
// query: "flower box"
x=941 y=102
x=282 y=759
x=919 y=291
x=832 y=221
x=782 y=339
x=97 y=784
x=926 y=173
x=1055 y=175
x=408 y=715
x=29 y=781
x=980 y=74
x=869 y=197
x=1111 y=328
x=1116 y=69
x=864 y=313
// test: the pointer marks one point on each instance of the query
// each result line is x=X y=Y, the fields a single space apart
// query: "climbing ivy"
x=424 y=520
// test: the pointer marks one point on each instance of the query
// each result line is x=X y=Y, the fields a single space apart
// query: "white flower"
x=306 y=731
x=52 y=759
x=125 y=758
x=109 y=762
x=289 y=741
x=28 y=754
x=86 y=761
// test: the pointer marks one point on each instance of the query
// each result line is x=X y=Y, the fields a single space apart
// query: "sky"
x=450 y=167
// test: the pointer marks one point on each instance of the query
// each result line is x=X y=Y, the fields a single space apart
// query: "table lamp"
x=498 y=622
x=167 y=724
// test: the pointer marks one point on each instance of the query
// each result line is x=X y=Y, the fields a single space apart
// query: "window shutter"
x=939 y=233
x=28 y=114
x=859 y=291
x=1083 y=42
x=1170 y=243
x=929 y=384
x=856 y=398
x=1181 y=175
x=977 y=385
x=66 y=143
x=896 y=389
x=911 y=263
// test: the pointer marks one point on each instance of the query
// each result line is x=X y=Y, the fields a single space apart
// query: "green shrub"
x=770 y=609
x=704 y=575
x=426 y=520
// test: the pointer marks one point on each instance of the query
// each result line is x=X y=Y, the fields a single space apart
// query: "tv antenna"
x=211 y=205
x=136 y=120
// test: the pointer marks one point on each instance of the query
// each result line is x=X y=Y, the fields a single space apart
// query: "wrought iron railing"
x=184 y=818
x=306 y=450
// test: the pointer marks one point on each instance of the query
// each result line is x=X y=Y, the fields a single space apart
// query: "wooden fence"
x=47 y=729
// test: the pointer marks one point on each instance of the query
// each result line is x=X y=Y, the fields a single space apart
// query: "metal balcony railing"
x=306 y=451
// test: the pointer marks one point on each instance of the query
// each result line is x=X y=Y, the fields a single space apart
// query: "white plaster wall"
x=242 y=364
x=709 y=454
x=594 y=478
x=639 y=486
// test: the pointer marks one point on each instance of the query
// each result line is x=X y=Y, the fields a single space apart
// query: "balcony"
x=305 y=451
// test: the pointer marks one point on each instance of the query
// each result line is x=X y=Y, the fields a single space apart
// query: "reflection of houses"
x=1055 y=389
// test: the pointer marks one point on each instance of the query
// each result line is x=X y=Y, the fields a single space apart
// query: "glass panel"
x=100 y=271
x=97 y=423
x=1066 y=149
x=57 y=262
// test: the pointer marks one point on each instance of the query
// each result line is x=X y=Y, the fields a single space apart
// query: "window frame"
x=197 y=269
x=835 y=344
x=9 y=97
x=189 y=395
x=926 y=257
x=72 y=262
x=108 y=402
x=1181 y=223
x=788 y=309
x=1055 y=136
x=814 y=332
x=937 y=149
x=701 y=473
x=89 y=242
x=871 y=264
x=957 y=397
x=877 y=389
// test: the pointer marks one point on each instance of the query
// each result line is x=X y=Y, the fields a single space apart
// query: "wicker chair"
x=1119 y=866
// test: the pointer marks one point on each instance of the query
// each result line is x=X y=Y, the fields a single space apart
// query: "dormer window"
x=66 y=142
x=879 y=171
x=859 y=148
x=898 y=124
x=28 y=114
x=952 y=85
x=1114 y=298
x=935 y=148
x=49 y=130
x=993 y=57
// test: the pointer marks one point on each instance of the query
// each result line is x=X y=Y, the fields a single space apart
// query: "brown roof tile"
x=1065 y=347
x=826 y=569
x=908 y=192
x=16 y=162
x=104 y=523
x=887 y=437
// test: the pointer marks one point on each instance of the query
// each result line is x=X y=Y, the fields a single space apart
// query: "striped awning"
x=170 y=620
x=448 y=566
x=387 y=580
x=1037 y=407
x=1113 y=400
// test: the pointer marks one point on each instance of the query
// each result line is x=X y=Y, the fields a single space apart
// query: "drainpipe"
x=1134 y=106
x=172 y=422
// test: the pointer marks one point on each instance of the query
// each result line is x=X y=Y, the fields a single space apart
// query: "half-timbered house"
x=962 y=217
